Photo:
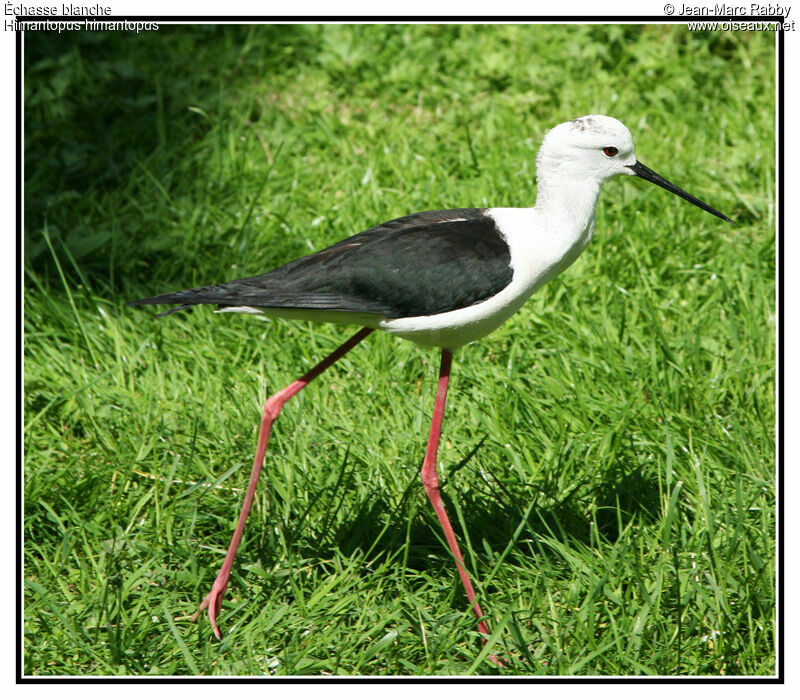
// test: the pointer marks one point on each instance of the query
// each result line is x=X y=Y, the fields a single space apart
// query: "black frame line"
x=402 y=19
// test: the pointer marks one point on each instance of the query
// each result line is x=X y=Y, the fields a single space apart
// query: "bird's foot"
x=484 y=630
x=213 y=601
x=496 y=660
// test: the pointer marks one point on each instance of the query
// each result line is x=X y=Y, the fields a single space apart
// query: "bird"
x=441 y=279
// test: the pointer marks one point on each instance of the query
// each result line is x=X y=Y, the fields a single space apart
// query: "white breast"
x=539 y=252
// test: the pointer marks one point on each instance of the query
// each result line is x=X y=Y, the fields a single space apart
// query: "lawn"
x=608 y=455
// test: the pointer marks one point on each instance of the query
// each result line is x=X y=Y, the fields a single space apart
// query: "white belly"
x=538 y=254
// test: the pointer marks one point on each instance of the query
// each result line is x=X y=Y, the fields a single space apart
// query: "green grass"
x=608 y=455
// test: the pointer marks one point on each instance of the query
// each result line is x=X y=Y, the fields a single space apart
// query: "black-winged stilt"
x=438 y=278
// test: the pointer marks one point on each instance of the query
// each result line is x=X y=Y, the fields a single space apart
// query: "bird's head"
x=593 y=149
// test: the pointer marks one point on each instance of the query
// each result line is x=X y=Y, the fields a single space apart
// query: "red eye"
x=611 y=151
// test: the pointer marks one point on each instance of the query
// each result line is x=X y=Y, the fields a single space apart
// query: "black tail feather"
x=169 y=298
x=173 y=310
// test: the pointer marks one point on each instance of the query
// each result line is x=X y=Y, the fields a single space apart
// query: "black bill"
x=645 y=173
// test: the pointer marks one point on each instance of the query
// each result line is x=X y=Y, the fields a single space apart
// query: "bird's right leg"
x=430 y=480
x=273 y=406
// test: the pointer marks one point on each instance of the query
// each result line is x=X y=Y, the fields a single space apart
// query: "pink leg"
x=430 y=480
x=273 y=406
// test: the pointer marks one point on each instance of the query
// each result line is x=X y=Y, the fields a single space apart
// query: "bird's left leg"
x=273 y=406
x=430 y=479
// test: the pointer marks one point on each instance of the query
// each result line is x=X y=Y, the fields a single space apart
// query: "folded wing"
x=417 y=265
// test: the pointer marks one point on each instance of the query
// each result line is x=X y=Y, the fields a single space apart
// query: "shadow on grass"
x=100 y=106
x=492 y=514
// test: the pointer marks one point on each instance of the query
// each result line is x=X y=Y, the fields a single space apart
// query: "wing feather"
x=417 y=265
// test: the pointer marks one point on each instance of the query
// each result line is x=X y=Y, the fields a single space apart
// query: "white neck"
x=570 y=202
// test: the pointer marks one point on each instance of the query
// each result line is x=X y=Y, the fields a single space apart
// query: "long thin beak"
x=645 y=173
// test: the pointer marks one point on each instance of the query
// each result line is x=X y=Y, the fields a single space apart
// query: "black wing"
x=417 y=265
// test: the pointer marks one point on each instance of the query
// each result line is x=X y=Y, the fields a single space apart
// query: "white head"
x=594 y=147
x=583 y=153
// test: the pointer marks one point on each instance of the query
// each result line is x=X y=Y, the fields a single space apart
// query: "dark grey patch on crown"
x=582 y=123
x=418 y=265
